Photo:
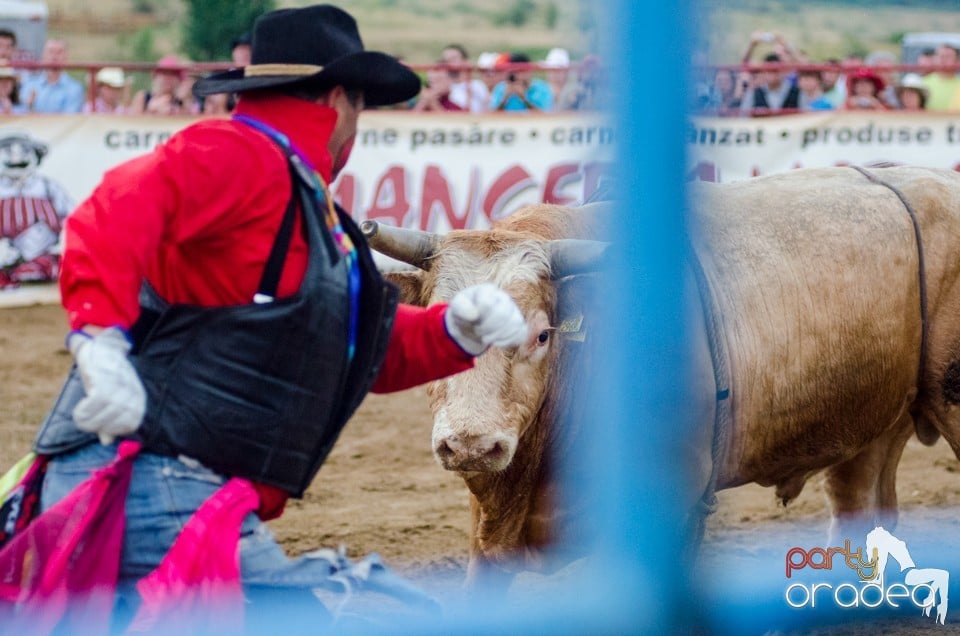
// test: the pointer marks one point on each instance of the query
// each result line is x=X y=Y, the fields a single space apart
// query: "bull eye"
x=543 y=337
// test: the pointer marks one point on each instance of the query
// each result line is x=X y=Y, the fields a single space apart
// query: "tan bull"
x=494 y=425
x=817 y=278
x=814 y=277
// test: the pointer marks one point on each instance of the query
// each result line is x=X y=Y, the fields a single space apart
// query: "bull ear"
x=569 y=257
x=411 y=286
x=409 y=246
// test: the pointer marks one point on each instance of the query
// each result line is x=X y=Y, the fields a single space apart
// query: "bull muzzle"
x=474 y=453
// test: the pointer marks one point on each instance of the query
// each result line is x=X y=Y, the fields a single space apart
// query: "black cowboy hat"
x=243 y=38
x=319 y=45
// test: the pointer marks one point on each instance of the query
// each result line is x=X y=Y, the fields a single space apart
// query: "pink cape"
x=60 y=572
x=197 y=586
x=62 y=568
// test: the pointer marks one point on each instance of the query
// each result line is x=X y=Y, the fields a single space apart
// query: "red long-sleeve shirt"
x=197 y=218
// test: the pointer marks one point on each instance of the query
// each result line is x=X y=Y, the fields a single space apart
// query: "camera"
x=511 y=77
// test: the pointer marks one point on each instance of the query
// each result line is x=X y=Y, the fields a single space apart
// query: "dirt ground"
x=382 y=491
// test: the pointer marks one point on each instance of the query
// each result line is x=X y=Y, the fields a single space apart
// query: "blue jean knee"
x=164 y=493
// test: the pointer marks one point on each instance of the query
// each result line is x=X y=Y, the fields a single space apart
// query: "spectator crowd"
x=513 y=82
x=855 y=82
x=496 y=82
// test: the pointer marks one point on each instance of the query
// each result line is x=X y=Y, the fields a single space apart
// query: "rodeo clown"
x=32 y=210
x=229 y=316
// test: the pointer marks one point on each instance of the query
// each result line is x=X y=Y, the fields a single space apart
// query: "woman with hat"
x=163 y=97
x=863 y=92
x=256 y=316
x=10 y=92
x=111 y=96
x=912 y=93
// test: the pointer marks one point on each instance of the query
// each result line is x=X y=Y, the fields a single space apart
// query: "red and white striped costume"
x=24 y=202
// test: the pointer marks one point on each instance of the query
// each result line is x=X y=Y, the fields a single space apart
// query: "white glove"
x=484 y=315
x=115 y=400
x=9 y=254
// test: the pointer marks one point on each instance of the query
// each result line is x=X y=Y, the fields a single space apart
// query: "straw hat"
x=914 y=81
x=557 y=58
x=487 y=59
x=111 y=76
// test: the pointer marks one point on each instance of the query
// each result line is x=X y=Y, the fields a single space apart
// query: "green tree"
x=210 y=25
x=550 y=15
x=142 y=49
x=517 y=14
x=143 y=6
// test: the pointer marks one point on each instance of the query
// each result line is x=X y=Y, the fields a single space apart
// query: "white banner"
x=442 y=171
x=428 y=171
x=732 y=149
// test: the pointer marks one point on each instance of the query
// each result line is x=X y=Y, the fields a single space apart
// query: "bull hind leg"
x=863 y=490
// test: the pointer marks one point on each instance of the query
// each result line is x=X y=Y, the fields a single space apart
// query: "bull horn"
x=576 y=256
x=409 y=246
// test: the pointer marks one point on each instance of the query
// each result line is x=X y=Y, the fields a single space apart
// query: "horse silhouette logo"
x=884 y=545
x=924 y=588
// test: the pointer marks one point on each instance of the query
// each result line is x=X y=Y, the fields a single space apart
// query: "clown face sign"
x=32 y=210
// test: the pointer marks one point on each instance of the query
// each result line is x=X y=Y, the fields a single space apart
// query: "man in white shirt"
x=473 y=95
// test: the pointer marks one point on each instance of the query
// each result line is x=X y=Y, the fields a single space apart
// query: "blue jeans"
x=165 y=492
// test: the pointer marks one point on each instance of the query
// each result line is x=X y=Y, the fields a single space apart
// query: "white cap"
x=557 y=58
x=111 y=76
x=487 y=59
x=915 y=81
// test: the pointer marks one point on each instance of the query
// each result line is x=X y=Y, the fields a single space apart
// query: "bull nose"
x=474 y=452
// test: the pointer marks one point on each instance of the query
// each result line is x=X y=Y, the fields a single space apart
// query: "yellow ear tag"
x=572 y=328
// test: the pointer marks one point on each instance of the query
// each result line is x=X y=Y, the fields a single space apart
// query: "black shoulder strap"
x=300 y=188
x=270 y=281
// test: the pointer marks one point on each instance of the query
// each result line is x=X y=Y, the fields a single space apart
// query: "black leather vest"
x=259 y=391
